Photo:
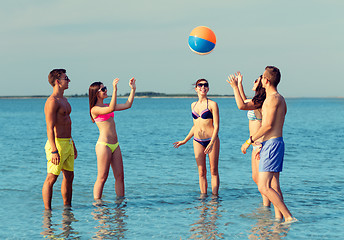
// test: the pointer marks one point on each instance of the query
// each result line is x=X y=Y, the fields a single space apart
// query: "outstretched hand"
x=233 y=81
x=178 y=144
x=132 y=83
x=239 y=77
x=114 y=83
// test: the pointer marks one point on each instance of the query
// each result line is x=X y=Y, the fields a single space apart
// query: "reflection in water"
x=66 y=226
x=267 y=228
x=206 y=226
x=111 y=219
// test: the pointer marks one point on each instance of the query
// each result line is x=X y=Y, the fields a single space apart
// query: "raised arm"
x=96 y=110
x=241 y=89
x=242 y=105
x=129 y=102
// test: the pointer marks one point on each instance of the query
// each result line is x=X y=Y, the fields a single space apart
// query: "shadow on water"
x=112 y=224
x=206 y=225
x=266 y=227
x=51 y=230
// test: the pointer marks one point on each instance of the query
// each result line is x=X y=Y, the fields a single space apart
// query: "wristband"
x=55 y=152
x=251 y=139
x=248 y=143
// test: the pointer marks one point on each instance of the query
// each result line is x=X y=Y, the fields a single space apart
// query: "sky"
x=148 y=40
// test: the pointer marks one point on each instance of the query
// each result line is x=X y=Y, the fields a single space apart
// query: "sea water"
x=163 y=199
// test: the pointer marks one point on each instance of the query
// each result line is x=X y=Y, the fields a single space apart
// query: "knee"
x=262 y=189
x=202 y=172
x=69 y=177
x=119 y=177
x=102 y=178
x=214 y=171
x=51 y=179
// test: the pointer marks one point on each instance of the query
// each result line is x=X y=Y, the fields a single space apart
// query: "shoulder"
x=52 y=102
x=212 y=104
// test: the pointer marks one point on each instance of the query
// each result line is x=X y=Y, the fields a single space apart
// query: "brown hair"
x=273 y=75
x=55 y=75
x=92 y=95
x=200 y=80
x=260 y=95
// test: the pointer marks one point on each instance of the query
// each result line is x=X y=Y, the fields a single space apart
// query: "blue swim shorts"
x=271 y=155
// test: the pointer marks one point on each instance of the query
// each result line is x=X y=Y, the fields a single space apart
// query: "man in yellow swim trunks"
x=60 y=148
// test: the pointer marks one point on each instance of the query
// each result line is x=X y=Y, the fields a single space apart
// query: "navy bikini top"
x=205 y=114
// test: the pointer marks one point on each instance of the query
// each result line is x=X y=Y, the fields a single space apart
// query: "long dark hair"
x=92 y=95
x=260 y=95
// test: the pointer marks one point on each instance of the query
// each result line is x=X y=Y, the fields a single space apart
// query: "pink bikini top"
x=104 y=117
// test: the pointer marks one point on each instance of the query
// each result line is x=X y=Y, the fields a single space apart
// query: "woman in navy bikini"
x=254 y=115
x=205 y=130
x=107 y=148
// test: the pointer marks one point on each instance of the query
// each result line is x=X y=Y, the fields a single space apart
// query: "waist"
x=274 y=139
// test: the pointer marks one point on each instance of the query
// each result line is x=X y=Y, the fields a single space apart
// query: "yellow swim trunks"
x=66 y=151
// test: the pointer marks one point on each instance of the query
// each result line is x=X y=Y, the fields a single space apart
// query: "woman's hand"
x=244 y=147
x=132 y=83
x=233 y=81
x=114 y=83
x=178 y=144
x=208 y=149
x=239 y=77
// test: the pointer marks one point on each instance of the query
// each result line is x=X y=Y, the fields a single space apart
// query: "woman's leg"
x=103 y=164
x=214 y=169
x=255 y=172
x=118 y=172
x=201 y=165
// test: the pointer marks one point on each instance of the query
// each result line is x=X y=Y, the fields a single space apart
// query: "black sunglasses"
x=202 y=84
x=66 y=78
x=103 y=89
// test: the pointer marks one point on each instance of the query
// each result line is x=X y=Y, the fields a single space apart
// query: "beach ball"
x=202 y=40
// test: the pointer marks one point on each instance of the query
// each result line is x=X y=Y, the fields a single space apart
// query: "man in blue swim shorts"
x=60 y=148
x=274 y=110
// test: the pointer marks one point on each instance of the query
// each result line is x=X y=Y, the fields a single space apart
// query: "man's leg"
x=67 y=187
x=264 y=186
x=47 y=190
x=275 y=185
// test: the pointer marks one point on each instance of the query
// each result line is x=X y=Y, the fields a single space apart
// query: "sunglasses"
x=66 y=78
x=202 y=84
x=103 y=89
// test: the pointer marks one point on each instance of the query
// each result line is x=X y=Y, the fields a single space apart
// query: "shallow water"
x=162 y=194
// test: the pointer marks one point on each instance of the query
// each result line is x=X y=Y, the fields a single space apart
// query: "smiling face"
x=256 y=83
x=202 y=87
x=102 y=92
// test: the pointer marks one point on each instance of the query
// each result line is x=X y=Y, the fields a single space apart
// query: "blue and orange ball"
x=202 y=40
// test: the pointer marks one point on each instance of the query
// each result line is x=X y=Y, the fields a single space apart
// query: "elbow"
x=242 y=106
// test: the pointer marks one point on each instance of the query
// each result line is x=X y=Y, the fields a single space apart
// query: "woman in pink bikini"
x=204 y=131
x=107 y=148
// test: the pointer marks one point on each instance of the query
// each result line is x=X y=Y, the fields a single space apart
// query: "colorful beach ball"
x=202 y=40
